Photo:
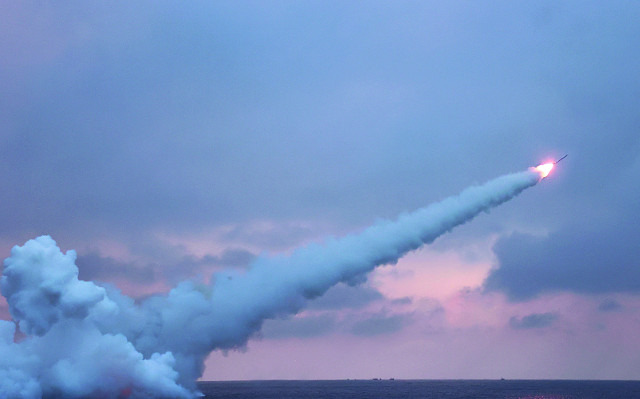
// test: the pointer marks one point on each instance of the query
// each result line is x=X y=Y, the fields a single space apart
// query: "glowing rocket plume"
x=545 y=169
x=157 y=348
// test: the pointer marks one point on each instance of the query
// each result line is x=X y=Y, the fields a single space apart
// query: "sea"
x=422 y=389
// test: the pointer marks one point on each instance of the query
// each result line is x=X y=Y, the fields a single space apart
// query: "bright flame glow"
x=544 y=169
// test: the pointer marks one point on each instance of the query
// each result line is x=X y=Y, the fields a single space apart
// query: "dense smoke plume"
x=87 y=340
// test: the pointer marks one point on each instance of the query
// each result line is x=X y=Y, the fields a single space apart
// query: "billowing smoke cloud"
x=83 y=339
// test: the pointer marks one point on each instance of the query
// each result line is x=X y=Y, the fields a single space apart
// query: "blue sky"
x=165 y=141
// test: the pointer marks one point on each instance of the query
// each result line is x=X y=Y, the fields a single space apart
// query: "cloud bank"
x=578 y=258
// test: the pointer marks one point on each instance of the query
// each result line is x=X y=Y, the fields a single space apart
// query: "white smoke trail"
x=86 y=340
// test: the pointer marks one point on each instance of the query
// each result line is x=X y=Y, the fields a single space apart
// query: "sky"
x=169 y=141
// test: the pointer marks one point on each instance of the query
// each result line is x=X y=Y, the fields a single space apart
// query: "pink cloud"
x=572 y=347
x=429 y=273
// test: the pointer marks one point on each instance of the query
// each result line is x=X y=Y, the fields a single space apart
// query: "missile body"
x=565 y=155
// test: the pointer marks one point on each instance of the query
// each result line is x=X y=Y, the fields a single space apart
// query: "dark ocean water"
x=422 y=389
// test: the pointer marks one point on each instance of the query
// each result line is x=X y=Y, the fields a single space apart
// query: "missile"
x=565 y=155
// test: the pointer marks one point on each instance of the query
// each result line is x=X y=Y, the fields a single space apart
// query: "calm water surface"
x=423 y=389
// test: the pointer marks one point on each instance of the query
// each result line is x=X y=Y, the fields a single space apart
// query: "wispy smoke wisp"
x=84 y=340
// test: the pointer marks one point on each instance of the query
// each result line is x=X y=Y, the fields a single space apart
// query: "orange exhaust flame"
x=544 y=169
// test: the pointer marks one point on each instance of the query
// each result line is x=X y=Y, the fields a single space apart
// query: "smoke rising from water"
x=83 y=339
